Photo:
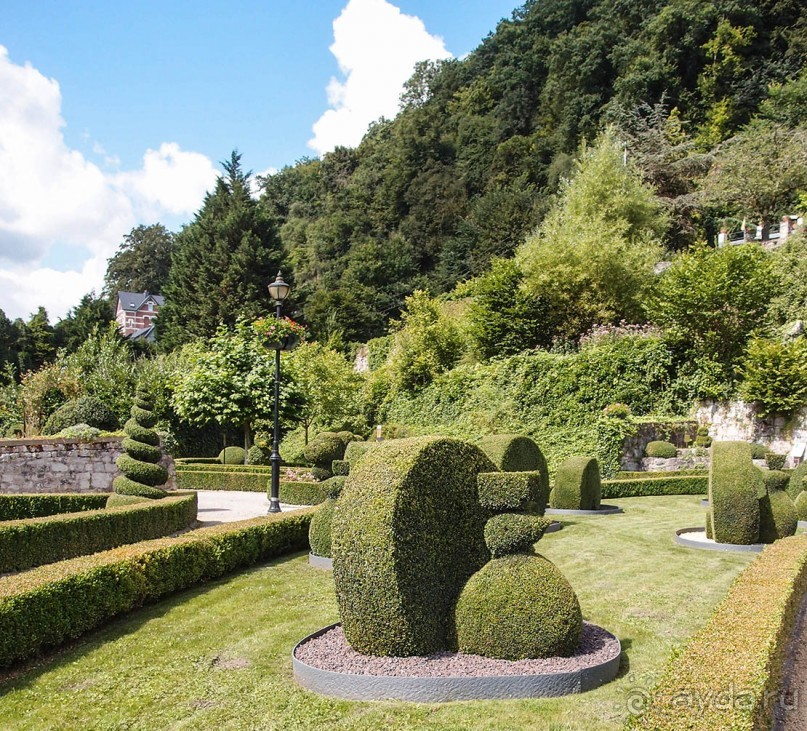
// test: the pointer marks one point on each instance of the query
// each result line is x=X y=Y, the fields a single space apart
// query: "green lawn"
x=217 y=657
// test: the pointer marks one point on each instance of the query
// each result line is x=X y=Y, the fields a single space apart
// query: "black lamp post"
x=279 y=291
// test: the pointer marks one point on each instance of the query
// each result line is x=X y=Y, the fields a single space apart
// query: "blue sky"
x=114 y=114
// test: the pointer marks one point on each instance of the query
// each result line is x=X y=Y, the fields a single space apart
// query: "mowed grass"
x=217 y=657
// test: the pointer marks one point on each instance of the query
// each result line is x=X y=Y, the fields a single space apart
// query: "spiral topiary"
x=141 y=472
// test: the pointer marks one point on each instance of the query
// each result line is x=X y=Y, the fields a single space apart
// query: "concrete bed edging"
x=453 y=688
x=682 y=540
x=323 y=562
x=603 y=510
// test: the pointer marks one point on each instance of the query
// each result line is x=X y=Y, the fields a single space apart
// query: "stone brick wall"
x=63 y=465
x=633 y=447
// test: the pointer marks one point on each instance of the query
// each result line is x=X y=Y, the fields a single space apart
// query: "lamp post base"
x=274 y=505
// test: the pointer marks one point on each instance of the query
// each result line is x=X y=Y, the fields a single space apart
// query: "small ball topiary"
x=319 y=532
x=514 y=453
x=518 y=607
x=775 y=461
x=801 y=505
x=798 y=481
x=232 y=455
x=577 y=485
x=661 y=450
x=139 y=464
x=777 y=517
x=85 y=410
x=510 y=533
x=735 y=486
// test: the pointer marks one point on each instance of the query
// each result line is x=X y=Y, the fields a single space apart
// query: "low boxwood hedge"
x=655 y=486
x=22 y=506
x=662 y=450
x=37 y=541
x=49 y=605
x=291 y=492
x=636 y=475
x=730 y=672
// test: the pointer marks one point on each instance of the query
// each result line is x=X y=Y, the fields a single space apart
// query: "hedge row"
x=728 y=676
x=49 y=605
x=655 y=486
x=218 y=467
x=22 y=506
x=291 y=492
x=660 y=473
x=37 y=541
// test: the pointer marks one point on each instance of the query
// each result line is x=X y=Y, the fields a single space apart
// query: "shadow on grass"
x=28 y=671
x=624 y=660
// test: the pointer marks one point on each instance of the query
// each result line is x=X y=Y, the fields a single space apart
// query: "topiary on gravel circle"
x=141 y=472
x=518 y=607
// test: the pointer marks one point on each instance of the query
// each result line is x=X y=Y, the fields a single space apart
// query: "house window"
x=150 y=307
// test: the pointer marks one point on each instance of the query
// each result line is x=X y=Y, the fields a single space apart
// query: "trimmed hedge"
x=501 y=492
x=85 y=410
x=333 y=486
x=798 y=481
x=775 y=480
x=324 y=449
x=777 y=516
x=291 y=492
x=115 y=500
x=801 y=506
x=22 y=506
x=775 y=461
x=577 y=485
x=514 y=453
x=340 y=468
x=513 y=593
x=655 y=486
x=738 y=656
x=52 y=604
x=735 y=486
x=37 y=541
x=660 y=450
x=510 y=533
x=253 y=469
x=319 y=534
x=637 y=475
x=356 y=450
x=407 y=535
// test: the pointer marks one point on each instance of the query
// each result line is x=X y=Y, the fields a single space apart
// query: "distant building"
x=136 y=314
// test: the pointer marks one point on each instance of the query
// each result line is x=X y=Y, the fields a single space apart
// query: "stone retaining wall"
x=633 y=447
x=63 y=465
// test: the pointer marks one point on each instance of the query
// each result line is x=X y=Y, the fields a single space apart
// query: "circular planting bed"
x=704 y=502
x=602 y=510
x=802 y=525
x=696 y=538
x=320 y=562
x=555 y=526
x=325 y=663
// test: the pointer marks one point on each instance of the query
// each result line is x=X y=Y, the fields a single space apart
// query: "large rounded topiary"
x=231 y=455
x=735 y=488
x=407 y=534
x=141 y=472
x=323 y=449
x=514 y=453
x=660 y=450
x=517 y=607
x=577 y=485
x=777 y=516
x=85 y=410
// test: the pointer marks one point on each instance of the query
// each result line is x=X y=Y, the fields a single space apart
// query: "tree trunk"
x=247 y=440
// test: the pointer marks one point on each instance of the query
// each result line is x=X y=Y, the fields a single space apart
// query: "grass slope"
x=218 y=656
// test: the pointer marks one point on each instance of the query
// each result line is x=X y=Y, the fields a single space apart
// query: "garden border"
x=450 y=688
x=602 y=510
x=681 y=540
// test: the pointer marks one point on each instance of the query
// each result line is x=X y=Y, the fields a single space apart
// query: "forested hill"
x=480 y=144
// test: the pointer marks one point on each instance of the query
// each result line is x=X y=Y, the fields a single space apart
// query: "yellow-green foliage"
x=510 y=533
x=735 y=486
x=669 y=484
x=51 y=604
x=502 y=492
x=798 y=481
x=407 y=534
x=21 y=506
x=577 y=485
x=510 y=594
x=37 y=541
x=319 y=534
x=514 y=453
x=777 y=516
x=728 y=676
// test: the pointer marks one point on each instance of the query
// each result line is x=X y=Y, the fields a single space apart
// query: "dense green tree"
x=36 y=342
x=8 y=346
x=775 y=375
x=222 y=262
x=789 y=265
x=89 y=316
x=142 y=261
x=592 y=259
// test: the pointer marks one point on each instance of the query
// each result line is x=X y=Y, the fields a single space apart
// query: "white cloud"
x=51 y=196
x=377 y=47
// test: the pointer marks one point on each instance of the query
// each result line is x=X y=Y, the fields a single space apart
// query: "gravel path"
x=330 y=651
x=226 y=506
x=790 y=711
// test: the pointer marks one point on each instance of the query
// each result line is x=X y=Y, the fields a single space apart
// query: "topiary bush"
x=777 y=516
x=775 y=461
x=510 y=533
x=801 y=506
x=320 y=474
x=85 y=410
x=340 y=468
x=758 y=451
x=798 y=481
x=513 y=492
x=141 y=471
x=775 y=480
x=258 y=455
x=79 y=431
x=577 y=485
x=323 y=449
x=319 y=533
x=503 y=604
x=356 y=450
x=735 y=486
x=408 y=532
x=661 y=450
x=231 y=455
x=514 y=453
x=703 y=439
x=333 y=486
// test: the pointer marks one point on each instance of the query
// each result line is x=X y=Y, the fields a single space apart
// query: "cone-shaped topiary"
x=141 y=472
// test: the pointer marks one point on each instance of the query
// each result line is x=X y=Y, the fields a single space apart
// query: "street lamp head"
x=278 y=289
